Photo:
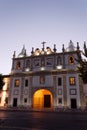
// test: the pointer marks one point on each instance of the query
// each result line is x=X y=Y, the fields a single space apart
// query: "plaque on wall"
x=26 y=92
x=59 y=91
x=16 y=92
x=72 y=91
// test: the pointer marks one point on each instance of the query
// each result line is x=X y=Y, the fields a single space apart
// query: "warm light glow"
x=4 y=93
x=59 y=67
x=37 y=54
x=38 y=98
x=48 y=51
x=43 y=52
x=5 y=85
x=27 y=69
x=42 y=68
x=20 y=56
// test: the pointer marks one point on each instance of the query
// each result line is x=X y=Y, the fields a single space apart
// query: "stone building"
x=45 y=79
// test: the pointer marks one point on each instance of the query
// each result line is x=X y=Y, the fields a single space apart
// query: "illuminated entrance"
x=42 y=99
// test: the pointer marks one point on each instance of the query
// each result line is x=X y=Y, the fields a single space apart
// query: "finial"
x=25 y=53
x=77 y=45
x=63 y=49
x=84 y=42
x=14 y=54
x=70 y=41
x=24 y=46
x=54 y=48
x=84 y=45
x=32 y=52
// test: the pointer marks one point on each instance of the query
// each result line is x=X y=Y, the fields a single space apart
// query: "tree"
x=1 y=82
x=83 y=64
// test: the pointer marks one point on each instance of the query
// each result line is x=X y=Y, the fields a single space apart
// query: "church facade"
x=45 y=79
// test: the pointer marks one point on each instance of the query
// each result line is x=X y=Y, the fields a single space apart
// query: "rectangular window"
x=72 y=81
x=17 y=83
x=26 y=82
x=59 y=81
x=42 y=79
x=25 y=100
x=60 y=100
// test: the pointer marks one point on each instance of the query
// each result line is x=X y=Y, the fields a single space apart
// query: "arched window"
x=71 y=60
x=27 y=63
x=59 y=60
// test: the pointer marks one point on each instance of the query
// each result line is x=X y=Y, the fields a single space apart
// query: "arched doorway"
x=42 y=99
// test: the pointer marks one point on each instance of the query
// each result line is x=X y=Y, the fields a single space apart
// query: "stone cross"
x=43 y=44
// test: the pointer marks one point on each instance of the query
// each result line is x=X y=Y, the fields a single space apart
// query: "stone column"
x=64 y=91
x=30 y=92
x=21 y=91
x=55 y=92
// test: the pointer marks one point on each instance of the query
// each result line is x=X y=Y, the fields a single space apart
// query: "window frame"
x=71 y=62
x=26 y=82
x=18 y=65
x=59 y=100
x=27 y=63
x=17 y=83
x=72 y=81
x=25 y=100
x=59 y=81
x=59 y=60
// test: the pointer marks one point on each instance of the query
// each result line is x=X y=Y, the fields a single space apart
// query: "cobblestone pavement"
x=16 y=128
x=19 y=128
x=42 y=120
x=9 y=124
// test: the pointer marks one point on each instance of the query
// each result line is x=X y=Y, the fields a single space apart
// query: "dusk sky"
x=30 y=22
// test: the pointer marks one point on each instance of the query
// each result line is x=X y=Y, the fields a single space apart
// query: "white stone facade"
x=45 y=79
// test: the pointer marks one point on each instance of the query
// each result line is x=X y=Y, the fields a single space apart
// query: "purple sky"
x=29 y=22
